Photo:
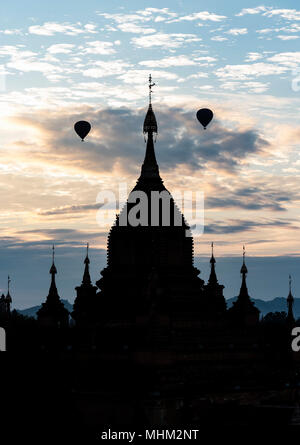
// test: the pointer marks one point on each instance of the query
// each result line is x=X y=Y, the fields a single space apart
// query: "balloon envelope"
x=82 y=128
x=204 y=116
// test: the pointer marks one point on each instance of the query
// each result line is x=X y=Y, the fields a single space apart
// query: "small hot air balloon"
x=82 y=128
x=204 y=116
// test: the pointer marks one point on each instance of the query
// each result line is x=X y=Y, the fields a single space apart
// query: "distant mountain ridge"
x=278 y=304
x=32 y=311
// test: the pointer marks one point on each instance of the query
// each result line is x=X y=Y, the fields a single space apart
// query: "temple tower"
x=215 y=301
x=53 y=313
x=243 y=310
x=150 y=248
x=290 y=304
x=84 y=304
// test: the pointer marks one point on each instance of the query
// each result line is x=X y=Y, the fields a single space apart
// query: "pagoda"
x=215 y=301
x=150 y=271
x=243 y=310
x=53 y=313
x=83 y=309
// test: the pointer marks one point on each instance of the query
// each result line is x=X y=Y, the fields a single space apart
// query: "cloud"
x=289 y=14
x=139 y=76
x=164 y=40
x=11 y=32
x=252 y=57
x=107 y=150
x=287 y=59
x=26 y=61
x=99 y=47
x=253 y=87
x=237 y=31
x=243 y=72
x=52 y=28
x=282 y=37
x=61 y=48
x=135 y=29
x=219 y=38
x=251 y=198
x=203 y=15
x=109 y=68
x=127 y=18
x=180 y=60
x=236 y=226
x=76 y=208
x=252 y=11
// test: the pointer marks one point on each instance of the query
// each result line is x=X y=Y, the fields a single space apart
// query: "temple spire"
x=8 y=285
x=53 y=272
x=244 y=271
x=290 y=303
x=213 y=277
x=150 y=167
x=86 y=275
x=150 y=89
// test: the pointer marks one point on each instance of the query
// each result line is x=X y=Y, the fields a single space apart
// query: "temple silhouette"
x=152 y=344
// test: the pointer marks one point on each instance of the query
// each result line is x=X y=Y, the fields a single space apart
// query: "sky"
x=61 y=62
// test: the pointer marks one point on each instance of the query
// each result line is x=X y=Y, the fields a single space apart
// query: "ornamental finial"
x=151 y=84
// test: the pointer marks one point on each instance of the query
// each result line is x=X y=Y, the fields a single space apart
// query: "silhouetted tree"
x=275 y=317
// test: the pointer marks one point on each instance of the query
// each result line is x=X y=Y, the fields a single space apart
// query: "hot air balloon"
x=204 y=116
x=82 y=128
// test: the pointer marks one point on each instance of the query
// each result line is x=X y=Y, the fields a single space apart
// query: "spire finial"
x=212 y=248
x=87 y=260
x=8 y=283
x=53 y=270
x=290 y=284
x=151 y=84
x=86 y=276
x=244 y=270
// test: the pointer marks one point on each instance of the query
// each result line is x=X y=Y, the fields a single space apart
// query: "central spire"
x=150 y=167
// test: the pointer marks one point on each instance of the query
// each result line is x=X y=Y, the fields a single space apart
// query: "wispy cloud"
x=63 y=210
x=242 y=72
x=99 y=47
x=61 y=48
x=236 y=226
x=252 y=11
x=282 y=37
x=106 y=68
x=165 y=40
x=237 y=31
x=180 y=60
x=219 y=38
x=202 y=15
x=51 y=28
